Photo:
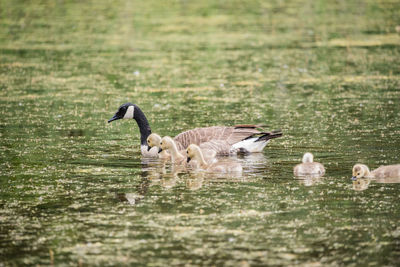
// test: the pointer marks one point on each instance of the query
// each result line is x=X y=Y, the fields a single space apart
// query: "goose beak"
x=159 y=150
x=148 y=148
x=188 y=159
x=354 y=178
x=115 y=117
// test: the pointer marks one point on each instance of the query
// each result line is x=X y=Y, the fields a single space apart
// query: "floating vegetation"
x=75 y=190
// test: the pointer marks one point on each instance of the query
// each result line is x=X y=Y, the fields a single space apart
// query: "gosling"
x=177 y=157
x=154 y=140
x=308 y=167
x=194 y=152
x=390 y=171
x=168 y=144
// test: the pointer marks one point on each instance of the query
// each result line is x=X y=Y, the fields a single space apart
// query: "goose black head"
x=125 y=111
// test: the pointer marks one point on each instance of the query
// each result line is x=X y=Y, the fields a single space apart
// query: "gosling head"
x=125 y=111
x=359 y=171
x=308 y=157
x=192 y=152
x=153 y=140
x=165 y=143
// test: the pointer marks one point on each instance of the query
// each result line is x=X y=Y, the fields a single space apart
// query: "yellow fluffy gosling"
x=178 y=157
x=167 y=144
x=308 y=167
x=154 y=140
x=390 y=171
x=194 y=152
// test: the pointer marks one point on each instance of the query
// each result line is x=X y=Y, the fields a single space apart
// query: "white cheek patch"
x=129 y=112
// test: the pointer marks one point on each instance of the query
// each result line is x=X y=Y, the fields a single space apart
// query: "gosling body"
x=389 y=171
x=178 y=157
x=154 y=140
x=194 y=152
x=309 y=167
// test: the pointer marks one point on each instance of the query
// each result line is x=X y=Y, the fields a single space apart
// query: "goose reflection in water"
x=158 y=172
x=195 y=183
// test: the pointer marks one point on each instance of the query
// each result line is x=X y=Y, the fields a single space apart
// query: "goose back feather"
x=225 y=139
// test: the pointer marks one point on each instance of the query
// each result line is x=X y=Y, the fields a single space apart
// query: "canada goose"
x=222 y=139
x=308 y=167
x=390 y=171
x=154 y=140
x=194 y=152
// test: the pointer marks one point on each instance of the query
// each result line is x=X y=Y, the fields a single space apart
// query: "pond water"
x=76 y=190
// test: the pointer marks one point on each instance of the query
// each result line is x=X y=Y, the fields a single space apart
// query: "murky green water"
x=74 y=189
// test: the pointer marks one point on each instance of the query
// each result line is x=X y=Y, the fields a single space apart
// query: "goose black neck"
x=143 y=124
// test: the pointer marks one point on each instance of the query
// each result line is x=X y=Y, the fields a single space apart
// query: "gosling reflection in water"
x=361 y=184
x=158 y=172
x=131 y=198
x=195 y=183
x=309 y=180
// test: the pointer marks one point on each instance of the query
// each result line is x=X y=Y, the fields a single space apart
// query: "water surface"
x=75 y=190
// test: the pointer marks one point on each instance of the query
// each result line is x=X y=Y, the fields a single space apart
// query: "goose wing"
x=230 y=135
x=199 y=135
x=221 y=147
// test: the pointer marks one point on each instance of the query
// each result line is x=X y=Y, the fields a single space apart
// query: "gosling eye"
x=358 y=173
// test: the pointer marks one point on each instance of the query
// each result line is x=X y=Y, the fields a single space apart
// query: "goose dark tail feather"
x=269 y=135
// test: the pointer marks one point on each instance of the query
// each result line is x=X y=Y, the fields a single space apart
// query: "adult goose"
x=389 y=171
x=223 y=139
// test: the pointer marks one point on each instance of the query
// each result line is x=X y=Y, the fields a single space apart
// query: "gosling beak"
x=148 y=148
x=188 y=159
x=354 y=178
x=159 y=150
x=114 y=118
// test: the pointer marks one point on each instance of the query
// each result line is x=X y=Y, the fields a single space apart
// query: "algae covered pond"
x=75 y=190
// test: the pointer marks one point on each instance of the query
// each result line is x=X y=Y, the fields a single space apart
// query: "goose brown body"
x=222 y=138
